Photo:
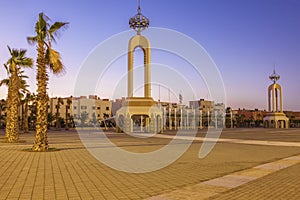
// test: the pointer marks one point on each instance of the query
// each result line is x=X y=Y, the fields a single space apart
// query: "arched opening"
x=140 y=123
x=266 y=124
x=282 y=124
x=139 y=47
x=138 y=72
x=273 y=124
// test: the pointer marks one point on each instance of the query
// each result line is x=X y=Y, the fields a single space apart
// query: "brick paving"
x=223 y=187
x=284 y=184
x=73 y=173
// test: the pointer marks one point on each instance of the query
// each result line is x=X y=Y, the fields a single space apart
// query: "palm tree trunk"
x=67 y=118
x=12 y=128
x=22 y=114
x=41 y=141
x=57 y=125
x=25 y=120
x=7 y=127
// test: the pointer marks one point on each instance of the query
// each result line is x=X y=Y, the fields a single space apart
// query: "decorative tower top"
x=139 y=22
x=274 y=77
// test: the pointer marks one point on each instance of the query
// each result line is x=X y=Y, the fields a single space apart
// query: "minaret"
x=275 y=117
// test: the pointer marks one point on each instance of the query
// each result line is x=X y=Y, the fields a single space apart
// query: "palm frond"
x=9 y=49
x=54 y=61
x=7 y=69
x=4 y=82
x=23 y=76
x=26 y=62
x=22 y=53
x=32 y=40
x=54 y=29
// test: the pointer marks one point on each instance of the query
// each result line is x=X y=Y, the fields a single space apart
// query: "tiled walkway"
x=233 y=170
x=227 y=187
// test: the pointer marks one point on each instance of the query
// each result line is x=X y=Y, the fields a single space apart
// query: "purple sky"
x=244 y=38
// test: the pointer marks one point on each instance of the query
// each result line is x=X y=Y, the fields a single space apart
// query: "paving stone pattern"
x=73 y=173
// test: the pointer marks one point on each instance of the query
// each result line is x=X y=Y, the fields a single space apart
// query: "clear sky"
x=245 y=38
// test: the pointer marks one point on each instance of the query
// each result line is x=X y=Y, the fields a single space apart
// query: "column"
x=175 y=119
x=170 y=117
x=200 y=119
x=181 y=119
x=147 y=72
x=130 y=74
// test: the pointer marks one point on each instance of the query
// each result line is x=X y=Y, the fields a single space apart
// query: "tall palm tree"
x=57 y=115
x=21 y=91
x=68 y=105
x=47 y=57
x=15 y=84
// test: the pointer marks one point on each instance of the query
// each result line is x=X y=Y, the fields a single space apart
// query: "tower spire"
x=139 y=6
x=139 y=22
x=274 y=76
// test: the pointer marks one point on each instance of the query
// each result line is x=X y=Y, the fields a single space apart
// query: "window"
x=98 y=108
x=75 y=107
x=93 y=107
x=107 y=108
x=83 y=107
x=98 y=115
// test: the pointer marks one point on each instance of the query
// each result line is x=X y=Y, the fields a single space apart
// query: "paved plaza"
x=244 y=164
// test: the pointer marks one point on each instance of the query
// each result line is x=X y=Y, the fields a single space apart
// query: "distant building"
x=93 y=109
x=294 y=118
x=116 y=105
x=204 y=105
x=220 y=107
x=248 y=118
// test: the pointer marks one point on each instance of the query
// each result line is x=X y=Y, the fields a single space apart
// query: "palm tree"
x=22 y=89
x=15 y=84
x=68 y=105
x=59 y=102
x=47 y=57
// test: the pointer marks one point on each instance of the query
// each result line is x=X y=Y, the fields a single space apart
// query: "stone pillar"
x=147 y=73
x=170 y=117
x=200 y=119
x=208 y=123
x=194 y=119
x=231 y=120
x=130 y=74
x=175 y=119
x=181 y=119
x=164 y=118
x=187 y=120
x=141 y=125
x=216 y=119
